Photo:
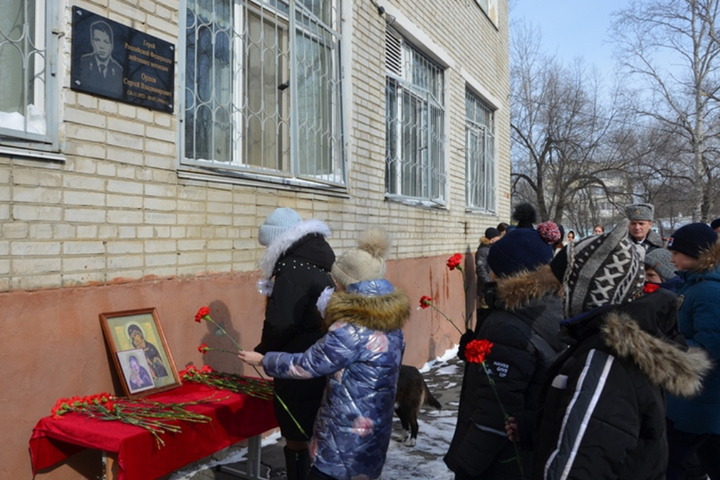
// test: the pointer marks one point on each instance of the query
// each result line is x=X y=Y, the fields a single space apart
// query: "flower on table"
x=454 y=262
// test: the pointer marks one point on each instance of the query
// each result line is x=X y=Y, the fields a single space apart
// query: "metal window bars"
x=479 y=154
x=258 y=98
x=415 y=123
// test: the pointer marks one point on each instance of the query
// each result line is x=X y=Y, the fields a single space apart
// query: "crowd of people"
x=602 y=363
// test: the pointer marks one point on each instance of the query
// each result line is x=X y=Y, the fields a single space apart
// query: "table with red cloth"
x=235 y=417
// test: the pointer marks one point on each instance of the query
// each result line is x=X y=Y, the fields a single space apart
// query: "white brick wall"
x=116 y=209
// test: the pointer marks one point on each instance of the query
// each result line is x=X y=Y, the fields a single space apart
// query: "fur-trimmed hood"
x=666 y=365
x=709 y=259
x=383 y=312
x=520 y=289
x=283 y=242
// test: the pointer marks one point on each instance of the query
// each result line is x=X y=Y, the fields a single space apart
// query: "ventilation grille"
x=393 y=53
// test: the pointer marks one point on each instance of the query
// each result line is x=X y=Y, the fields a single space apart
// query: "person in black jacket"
x=603 y=415
x=523 y=325
x=482 y=270
x=296 y=270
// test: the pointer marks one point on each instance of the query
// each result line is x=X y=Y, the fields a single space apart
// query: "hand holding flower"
x=251 y=358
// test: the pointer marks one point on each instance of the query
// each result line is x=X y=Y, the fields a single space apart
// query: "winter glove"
x=466 y=337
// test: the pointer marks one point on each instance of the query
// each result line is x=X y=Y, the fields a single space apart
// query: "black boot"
x=297 y=463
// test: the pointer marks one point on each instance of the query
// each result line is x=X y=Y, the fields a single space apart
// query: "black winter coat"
x=604 y=412
x=299 y=262
x=523 y=325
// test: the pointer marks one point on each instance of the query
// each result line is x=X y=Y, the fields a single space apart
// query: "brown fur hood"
x=678 y=372
x=709 y=259
x=382 y=312
x=520 y=289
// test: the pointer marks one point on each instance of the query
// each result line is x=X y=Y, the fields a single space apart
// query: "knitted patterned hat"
x=277 y=223
x=520 y=249
x=604 y=269
x=659 y=260
x=640 y=211
x=692 y=239
x=367 y=262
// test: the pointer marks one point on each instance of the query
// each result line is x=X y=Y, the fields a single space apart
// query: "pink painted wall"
x=53 y=344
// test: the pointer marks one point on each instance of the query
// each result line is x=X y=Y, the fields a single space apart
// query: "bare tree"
x=668 y=51
x=564 y=140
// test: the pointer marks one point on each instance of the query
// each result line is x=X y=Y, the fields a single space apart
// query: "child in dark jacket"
x=296 y=269
x=694 y=424
x=523 y=324
x=360 y=354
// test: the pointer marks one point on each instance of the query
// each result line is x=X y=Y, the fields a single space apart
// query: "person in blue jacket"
x=361 y=355
x=694 y=424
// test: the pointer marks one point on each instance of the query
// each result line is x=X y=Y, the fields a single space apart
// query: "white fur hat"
x=277 y=223
x=367 y=262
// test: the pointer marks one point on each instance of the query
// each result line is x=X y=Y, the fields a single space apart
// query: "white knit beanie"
x=277 y=223
x=367 y=262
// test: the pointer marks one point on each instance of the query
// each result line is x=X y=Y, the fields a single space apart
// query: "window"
x=415 y=123
x=479 y=154
x=27 y=108
x=262 y=88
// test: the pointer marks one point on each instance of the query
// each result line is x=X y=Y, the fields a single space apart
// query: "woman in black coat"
x=296 y=270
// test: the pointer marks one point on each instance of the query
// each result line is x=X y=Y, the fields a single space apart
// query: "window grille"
x=27 y=111
x=262 y=87
x=415 y=123
x=479 y=154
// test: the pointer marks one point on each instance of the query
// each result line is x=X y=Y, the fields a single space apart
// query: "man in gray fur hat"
x=640 y=228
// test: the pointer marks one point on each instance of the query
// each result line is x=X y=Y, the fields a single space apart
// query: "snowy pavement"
x=423 y=461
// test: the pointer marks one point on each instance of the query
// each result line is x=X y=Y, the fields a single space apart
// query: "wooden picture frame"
x=138 y=347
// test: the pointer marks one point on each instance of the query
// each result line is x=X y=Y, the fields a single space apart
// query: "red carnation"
x=203 y=348
x=454 y=261
x=476 y=350
x=650 y=287
x=425 y=301
x=201 y=313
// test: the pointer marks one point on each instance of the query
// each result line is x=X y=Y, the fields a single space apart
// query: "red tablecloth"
x=233 y=419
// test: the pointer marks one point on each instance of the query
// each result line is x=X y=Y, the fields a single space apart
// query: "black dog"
x=412 y=393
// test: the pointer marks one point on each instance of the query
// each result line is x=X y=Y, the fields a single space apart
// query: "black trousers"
x=684 y=451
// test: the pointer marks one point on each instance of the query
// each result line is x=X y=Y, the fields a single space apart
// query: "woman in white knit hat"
x=296 y=269
x=361 y=355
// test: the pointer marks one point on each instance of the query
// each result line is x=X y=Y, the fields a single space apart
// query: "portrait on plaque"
x=99 y=71
x=112 y=60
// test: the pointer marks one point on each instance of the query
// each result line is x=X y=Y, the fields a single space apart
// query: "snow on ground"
x=424 y=461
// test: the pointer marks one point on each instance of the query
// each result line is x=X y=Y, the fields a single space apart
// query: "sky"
x=572 y=28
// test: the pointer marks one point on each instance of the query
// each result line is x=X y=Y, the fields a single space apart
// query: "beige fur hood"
x=381 y=312
x=520 y=289
x=678 y=372
x=709 y=259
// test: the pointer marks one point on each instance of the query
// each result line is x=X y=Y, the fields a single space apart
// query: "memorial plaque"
x=118 y=62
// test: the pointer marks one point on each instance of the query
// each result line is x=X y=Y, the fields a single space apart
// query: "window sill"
x=261 y=181
x=416 y=202
x=32 y=154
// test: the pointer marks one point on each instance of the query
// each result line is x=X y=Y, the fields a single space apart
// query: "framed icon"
x=140 y=352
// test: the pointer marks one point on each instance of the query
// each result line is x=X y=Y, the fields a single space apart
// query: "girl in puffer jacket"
x=361 y=355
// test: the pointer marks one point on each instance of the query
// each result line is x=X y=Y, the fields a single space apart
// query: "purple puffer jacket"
x=361 y=355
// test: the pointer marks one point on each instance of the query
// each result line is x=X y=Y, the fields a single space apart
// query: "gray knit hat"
x=640 y=211
x=277 y=223
x=604 y=269
x=367 y=262
x=659 y=260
